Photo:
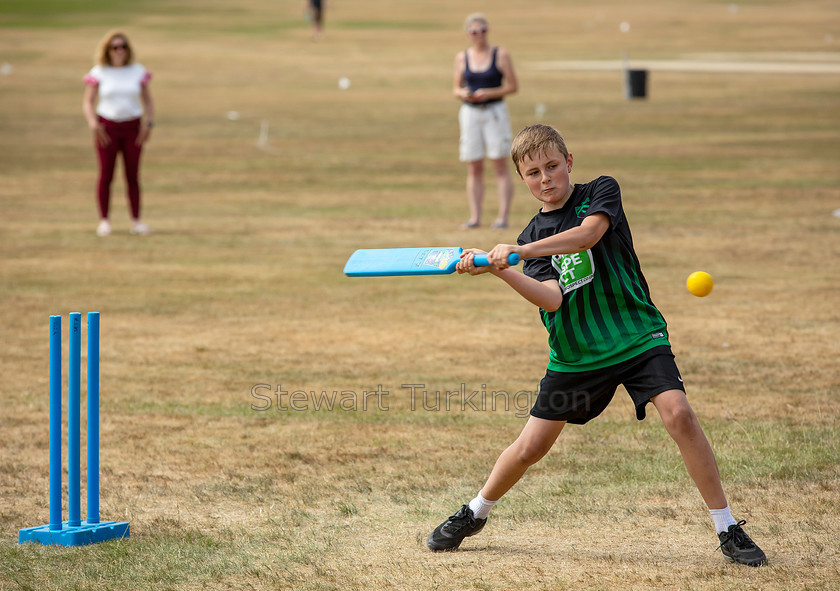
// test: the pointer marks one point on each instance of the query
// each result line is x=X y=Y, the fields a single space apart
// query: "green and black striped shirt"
x=607 y=315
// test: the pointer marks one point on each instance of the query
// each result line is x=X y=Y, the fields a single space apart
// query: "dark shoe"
x=737 y=546
x=449 y=534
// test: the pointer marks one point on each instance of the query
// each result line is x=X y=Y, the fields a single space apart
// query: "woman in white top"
x=121 y=88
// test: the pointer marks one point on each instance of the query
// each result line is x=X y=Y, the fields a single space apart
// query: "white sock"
x=481 y=506
x=723 y=519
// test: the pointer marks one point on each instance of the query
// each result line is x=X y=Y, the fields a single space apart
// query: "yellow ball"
x=700 y=284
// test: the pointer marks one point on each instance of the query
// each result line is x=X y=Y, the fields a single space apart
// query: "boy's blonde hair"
x=536 y=139
x=475 y=17
x=102 y=57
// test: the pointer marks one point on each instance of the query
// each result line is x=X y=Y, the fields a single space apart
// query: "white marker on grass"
x=343 y=83
x=263 y=139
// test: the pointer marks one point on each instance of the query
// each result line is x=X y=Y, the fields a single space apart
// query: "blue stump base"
x=81 y=535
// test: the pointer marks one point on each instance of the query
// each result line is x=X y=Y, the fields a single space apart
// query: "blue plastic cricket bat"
x=393 y=262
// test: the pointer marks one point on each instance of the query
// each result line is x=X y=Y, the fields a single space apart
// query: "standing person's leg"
x=499 y=137
x=316 y=13
x=471 y=151
x=107 y=158
x=533 y=443
x=131 y=160
x=475 y=192
x=504 y=185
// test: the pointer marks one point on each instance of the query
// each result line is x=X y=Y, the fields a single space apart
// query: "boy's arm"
x=543 y=294
x=574 y=240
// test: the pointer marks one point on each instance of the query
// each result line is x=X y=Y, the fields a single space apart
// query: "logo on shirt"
x=581 y=209
x=575 y=269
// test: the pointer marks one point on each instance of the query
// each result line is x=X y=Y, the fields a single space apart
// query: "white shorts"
x=485 y=131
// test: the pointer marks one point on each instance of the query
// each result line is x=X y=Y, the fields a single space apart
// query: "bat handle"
x=480 y=260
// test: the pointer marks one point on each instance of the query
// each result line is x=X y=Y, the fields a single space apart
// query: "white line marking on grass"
x=692 y=66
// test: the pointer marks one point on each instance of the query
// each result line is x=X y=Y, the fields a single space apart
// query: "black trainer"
x=737 y=546
x=449 y=534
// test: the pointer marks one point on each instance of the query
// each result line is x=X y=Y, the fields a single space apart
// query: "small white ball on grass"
x=344 y=83
x=624 y=27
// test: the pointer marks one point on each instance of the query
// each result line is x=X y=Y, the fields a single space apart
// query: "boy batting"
x=582 y=271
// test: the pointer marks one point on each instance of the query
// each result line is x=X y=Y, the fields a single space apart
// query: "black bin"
x=635 y=84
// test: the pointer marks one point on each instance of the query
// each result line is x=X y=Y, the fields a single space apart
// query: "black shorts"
x=579 y=397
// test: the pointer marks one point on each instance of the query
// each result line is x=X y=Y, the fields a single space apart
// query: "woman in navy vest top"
x=483 y=77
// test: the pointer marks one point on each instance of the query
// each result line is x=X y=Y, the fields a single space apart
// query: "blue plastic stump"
x=74 y=437
x=74 y=532
x=86 y=533
x=55 y=422
x=93 y=418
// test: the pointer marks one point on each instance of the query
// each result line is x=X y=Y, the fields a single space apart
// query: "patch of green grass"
x=171 y=556
x=65 y=14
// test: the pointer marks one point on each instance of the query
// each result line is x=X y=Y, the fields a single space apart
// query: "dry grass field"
x=238 y=295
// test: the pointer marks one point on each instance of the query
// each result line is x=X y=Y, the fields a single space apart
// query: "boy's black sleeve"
x=606 y=198
x=538 y=268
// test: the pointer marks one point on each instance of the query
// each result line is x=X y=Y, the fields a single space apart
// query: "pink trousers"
x=123 y=135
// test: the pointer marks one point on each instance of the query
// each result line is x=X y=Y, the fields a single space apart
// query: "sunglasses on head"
x=120 y=46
